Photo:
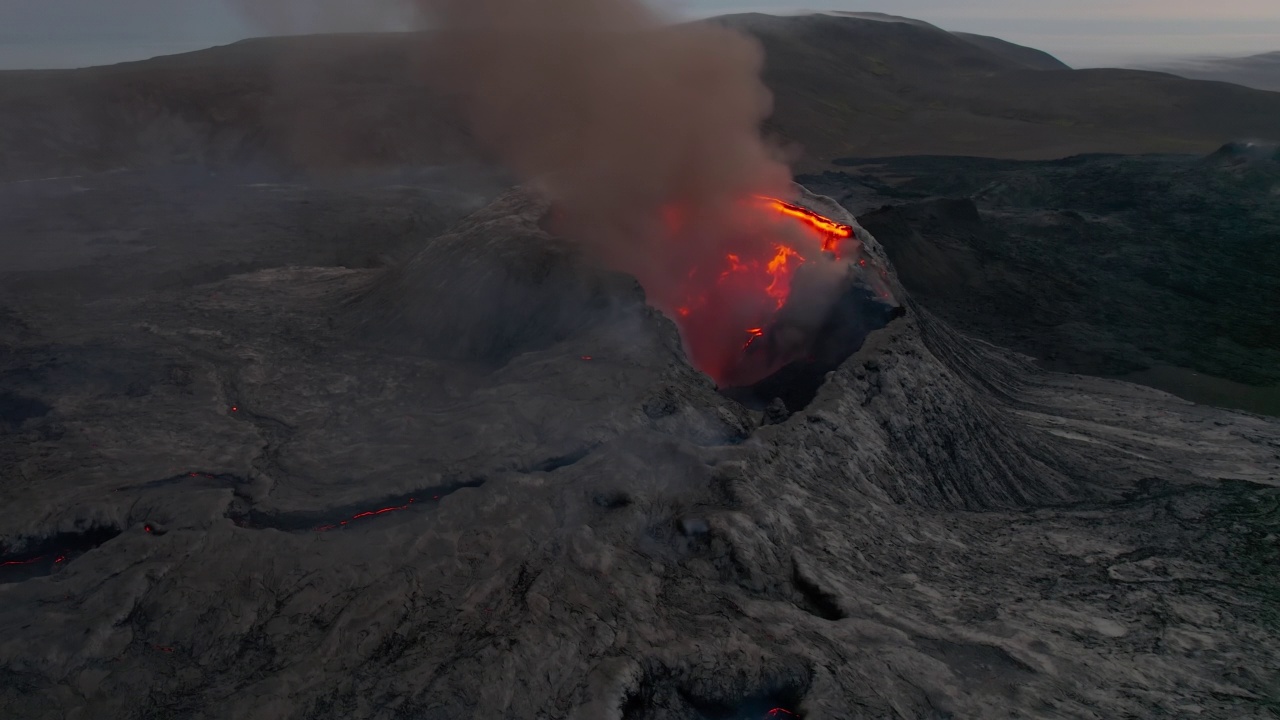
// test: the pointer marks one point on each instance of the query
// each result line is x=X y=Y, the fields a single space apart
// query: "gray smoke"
x=620 y=115
x=644 y=133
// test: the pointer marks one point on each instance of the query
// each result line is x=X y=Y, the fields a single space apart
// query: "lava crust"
x=943 y=530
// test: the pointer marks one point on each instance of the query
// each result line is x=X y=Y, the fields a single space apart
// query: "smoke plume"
x=646 y=133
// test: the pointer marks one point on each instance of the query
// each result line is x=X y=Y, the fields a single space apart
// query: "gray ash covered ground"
x=1103 y=265
x=298 y=510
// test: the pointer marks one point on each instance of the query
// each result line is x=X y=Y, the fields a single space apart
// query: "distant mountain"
x=319 y=101
x=878 y=17
x=1255 y=71
x=855 y=86
x=1032 y=58
x=1097 y=264
x=844 y=85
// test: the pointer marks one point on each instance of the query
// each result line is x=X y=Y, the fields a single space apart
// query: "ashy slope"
x=294 y=522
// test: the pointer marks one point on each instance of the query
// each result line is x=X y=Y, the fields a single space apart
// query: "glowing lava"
x=28 y=561
x=368 y=514
x=728 y=301
x=833 y=231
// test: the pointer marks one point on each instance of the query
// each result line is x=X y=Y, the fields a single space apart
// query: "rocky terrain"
x=844 y=85
x=247 y=494
x=305 y=413
x=1104 y=265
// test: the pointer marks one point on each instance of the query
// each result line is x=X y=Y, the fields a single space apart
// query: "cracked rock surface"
x=320 y=514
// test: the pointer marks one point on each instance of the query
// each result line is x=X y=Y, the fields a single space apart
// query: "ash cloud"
x=645 y=134
x=616 y=111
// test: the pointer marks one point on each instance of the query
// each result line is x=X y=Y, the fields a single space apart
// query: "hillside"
x=313 y=101
x=1017 y=54
x=1104 y=265
x=1031 y=57
x=844 y=85
x=1256 y=71
x=907 y=89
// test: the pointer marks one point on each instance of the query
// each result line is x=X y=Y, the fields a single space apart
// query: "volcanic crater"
x=930 y=527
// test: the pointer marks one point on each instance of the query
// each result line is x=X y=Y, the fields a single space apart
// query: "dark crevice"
x=612 y=500
x=561 y=461
x=662 y=694
x=49 y=555
x=524 y=580
x=858 y=313
x=16 y=409
x=731 y=438
x=763 y=706
x=816 y=601
x=345 y=517
x=194 y=477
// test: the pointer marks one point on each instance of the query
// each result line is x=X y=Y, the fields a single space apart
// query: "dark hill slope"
x=1018 y=54
x=844 y=86
x=319 y=101
x=1256 y=71
x=850 y=86
x=1105 y=265
x=1031 y=57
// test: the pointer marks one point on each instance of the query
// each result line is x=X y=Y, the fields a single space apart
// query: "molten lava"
x=833 y=231
x=729 y=301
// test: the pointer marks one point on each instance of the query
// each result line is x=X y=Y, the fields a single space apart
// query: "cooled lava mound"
x=489 y=483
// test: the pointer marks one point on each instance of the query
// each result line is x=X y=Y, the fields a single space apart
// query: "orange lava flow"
x=834 y=231
x=726 y=302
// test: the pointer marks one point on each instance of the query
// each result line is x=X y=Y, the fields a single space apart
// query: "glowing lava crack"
x=52 y=554
x=344 y=517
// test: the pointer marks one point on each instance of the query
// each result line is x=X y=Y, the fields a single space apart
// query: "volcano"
x=488 y=481
x=826 y=304
x=791 y=293
x=763 y=305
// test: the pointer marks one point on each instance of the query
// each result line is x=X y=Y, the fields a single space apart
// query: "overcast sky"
x=73 y=33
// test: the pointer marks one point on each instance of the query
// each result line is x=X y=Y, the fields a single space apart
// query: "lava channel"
x=51 y=554
x=344 y=518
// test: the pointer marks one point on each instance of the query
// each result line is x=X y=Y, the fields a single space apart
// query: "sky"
x=1084 y=33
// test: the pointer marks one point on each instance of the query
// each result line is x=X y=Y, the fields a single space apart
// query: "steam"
x=618 y=112
x=645 y=133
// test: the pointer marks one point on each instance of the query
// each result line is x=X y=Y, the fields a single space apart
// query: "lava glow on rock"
x=726 y=304
x=833 y=232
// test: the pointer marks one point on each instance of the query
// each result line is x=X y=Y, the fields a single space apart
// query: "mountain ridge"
x=843 y=86
x=1261 y=72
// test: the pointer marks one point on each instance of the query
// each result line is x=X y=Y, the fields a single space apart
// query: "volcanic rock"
x=834 y=304
x=776 y=412
x=498 y=491
x=1123 y=266
x=495 y=286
